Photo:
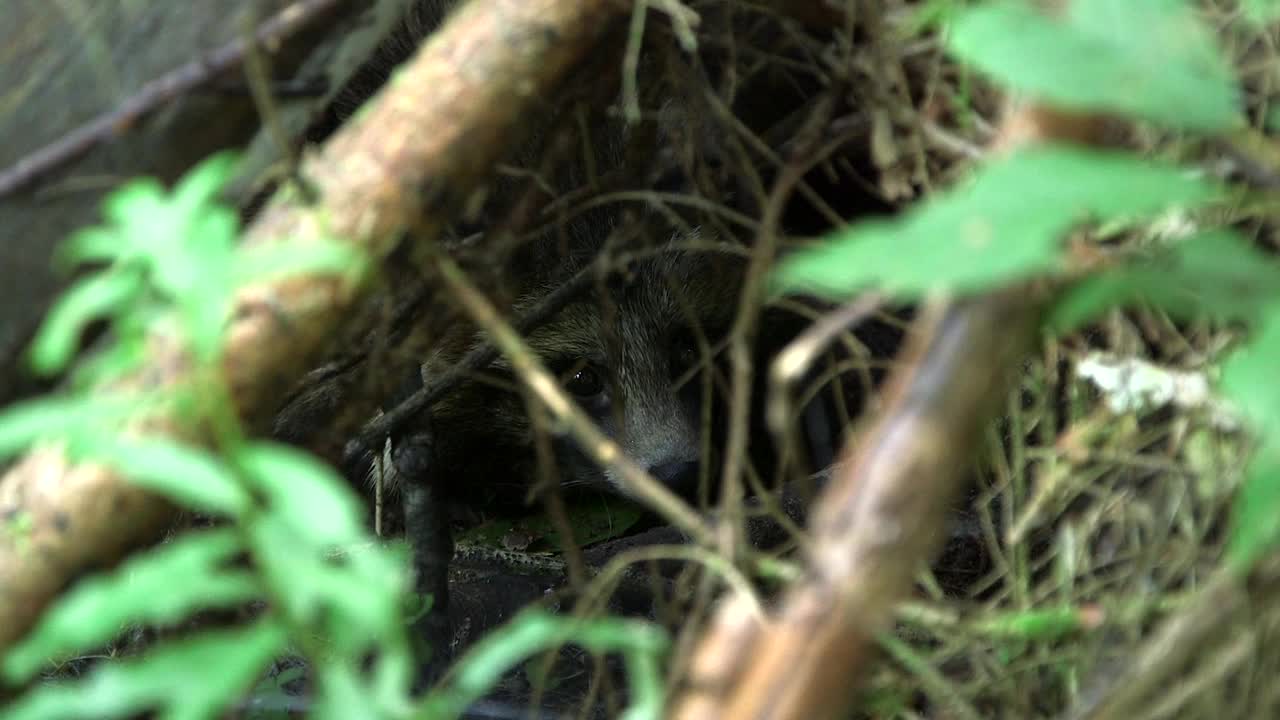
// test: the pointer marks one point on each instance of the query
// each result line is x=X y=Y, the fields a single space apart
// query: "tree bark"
x=881 y=518
x=407 y=164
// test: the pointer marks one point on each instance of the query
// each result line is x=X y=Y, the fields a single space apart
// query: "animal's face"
x=636 y=356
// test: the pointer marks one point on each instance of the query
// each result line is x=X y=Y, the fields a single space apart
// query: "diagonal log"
x=426 y=145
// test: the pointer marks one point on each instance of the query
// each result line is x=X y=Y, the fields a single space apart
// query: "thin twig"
x=799 y=354
x=156 y=93
x=743 y=332
x=1179 y=639
x=542 y=384
x=377 y=430
x=257 y=73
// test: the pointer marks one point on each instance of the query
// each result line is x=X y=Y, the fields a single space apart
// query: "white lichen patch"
x=1133 y=385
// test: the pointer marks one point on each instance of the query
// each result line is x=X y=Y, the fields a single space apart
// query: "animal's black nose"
x=679 y=475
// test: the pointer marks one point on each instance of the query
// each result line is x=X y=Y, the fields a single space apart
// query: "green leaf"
x=201 y=184
x=52 y=417
x=1256 y=521
x=1005 y=223
x=1262 y=12
x=602 y=519
x=360 y=589
x=192 y=679
x=1216 y=273
x=91 y=299
x=196 y=276
x=367 y=599
x=126 y=351
x=534 y=631
x=138 y=200
x=191 y=476
x=263 y=262
x=198 y=261
x=1249 y=379
x=270 y=697
x=295 y=569
x=304 y=492
x=160 y=587
x=592 y=519
x=24 y=424
x=341 y=695
x=89 y=245
x=1095 y=58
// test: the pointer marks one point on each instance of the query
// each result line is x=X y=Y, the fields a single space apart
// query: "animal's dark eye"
x=585 y=383
x=684 y=355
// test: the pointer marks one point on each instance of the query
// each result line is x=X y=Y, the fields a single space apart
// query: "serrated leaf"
x=191 y=679
x=1169 y=72
x=1216 y=273
x=190 y=476
x=91 y=299
x=144 y=590
x=304 y=492
x=1004 y=224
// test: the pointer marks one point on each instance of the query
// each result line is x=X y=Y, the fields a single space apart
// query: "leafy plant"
x=291 y=541
x=1006 y=222
x=1092 y=58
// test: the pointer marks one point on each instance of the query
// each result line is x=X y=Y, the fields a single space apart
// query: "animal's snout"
x=679 y=474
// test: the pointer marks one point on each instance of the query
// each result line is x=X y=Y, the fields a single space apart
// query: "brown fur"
x=640 y=328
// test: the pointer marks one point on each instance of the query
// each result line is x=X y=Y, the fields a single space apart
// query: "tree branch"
x=156 y=93
x=429 y=140
x=880 y=518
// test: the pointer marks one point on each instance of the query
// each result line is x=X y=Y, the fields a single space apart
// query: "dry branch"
x=882 y=516
x=638 y=482
x=878 y=521
x=155 y=94
x=428 y=142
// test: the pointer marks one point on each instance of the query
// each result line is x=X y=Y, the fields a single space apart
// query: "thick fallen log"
x=407 y=164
